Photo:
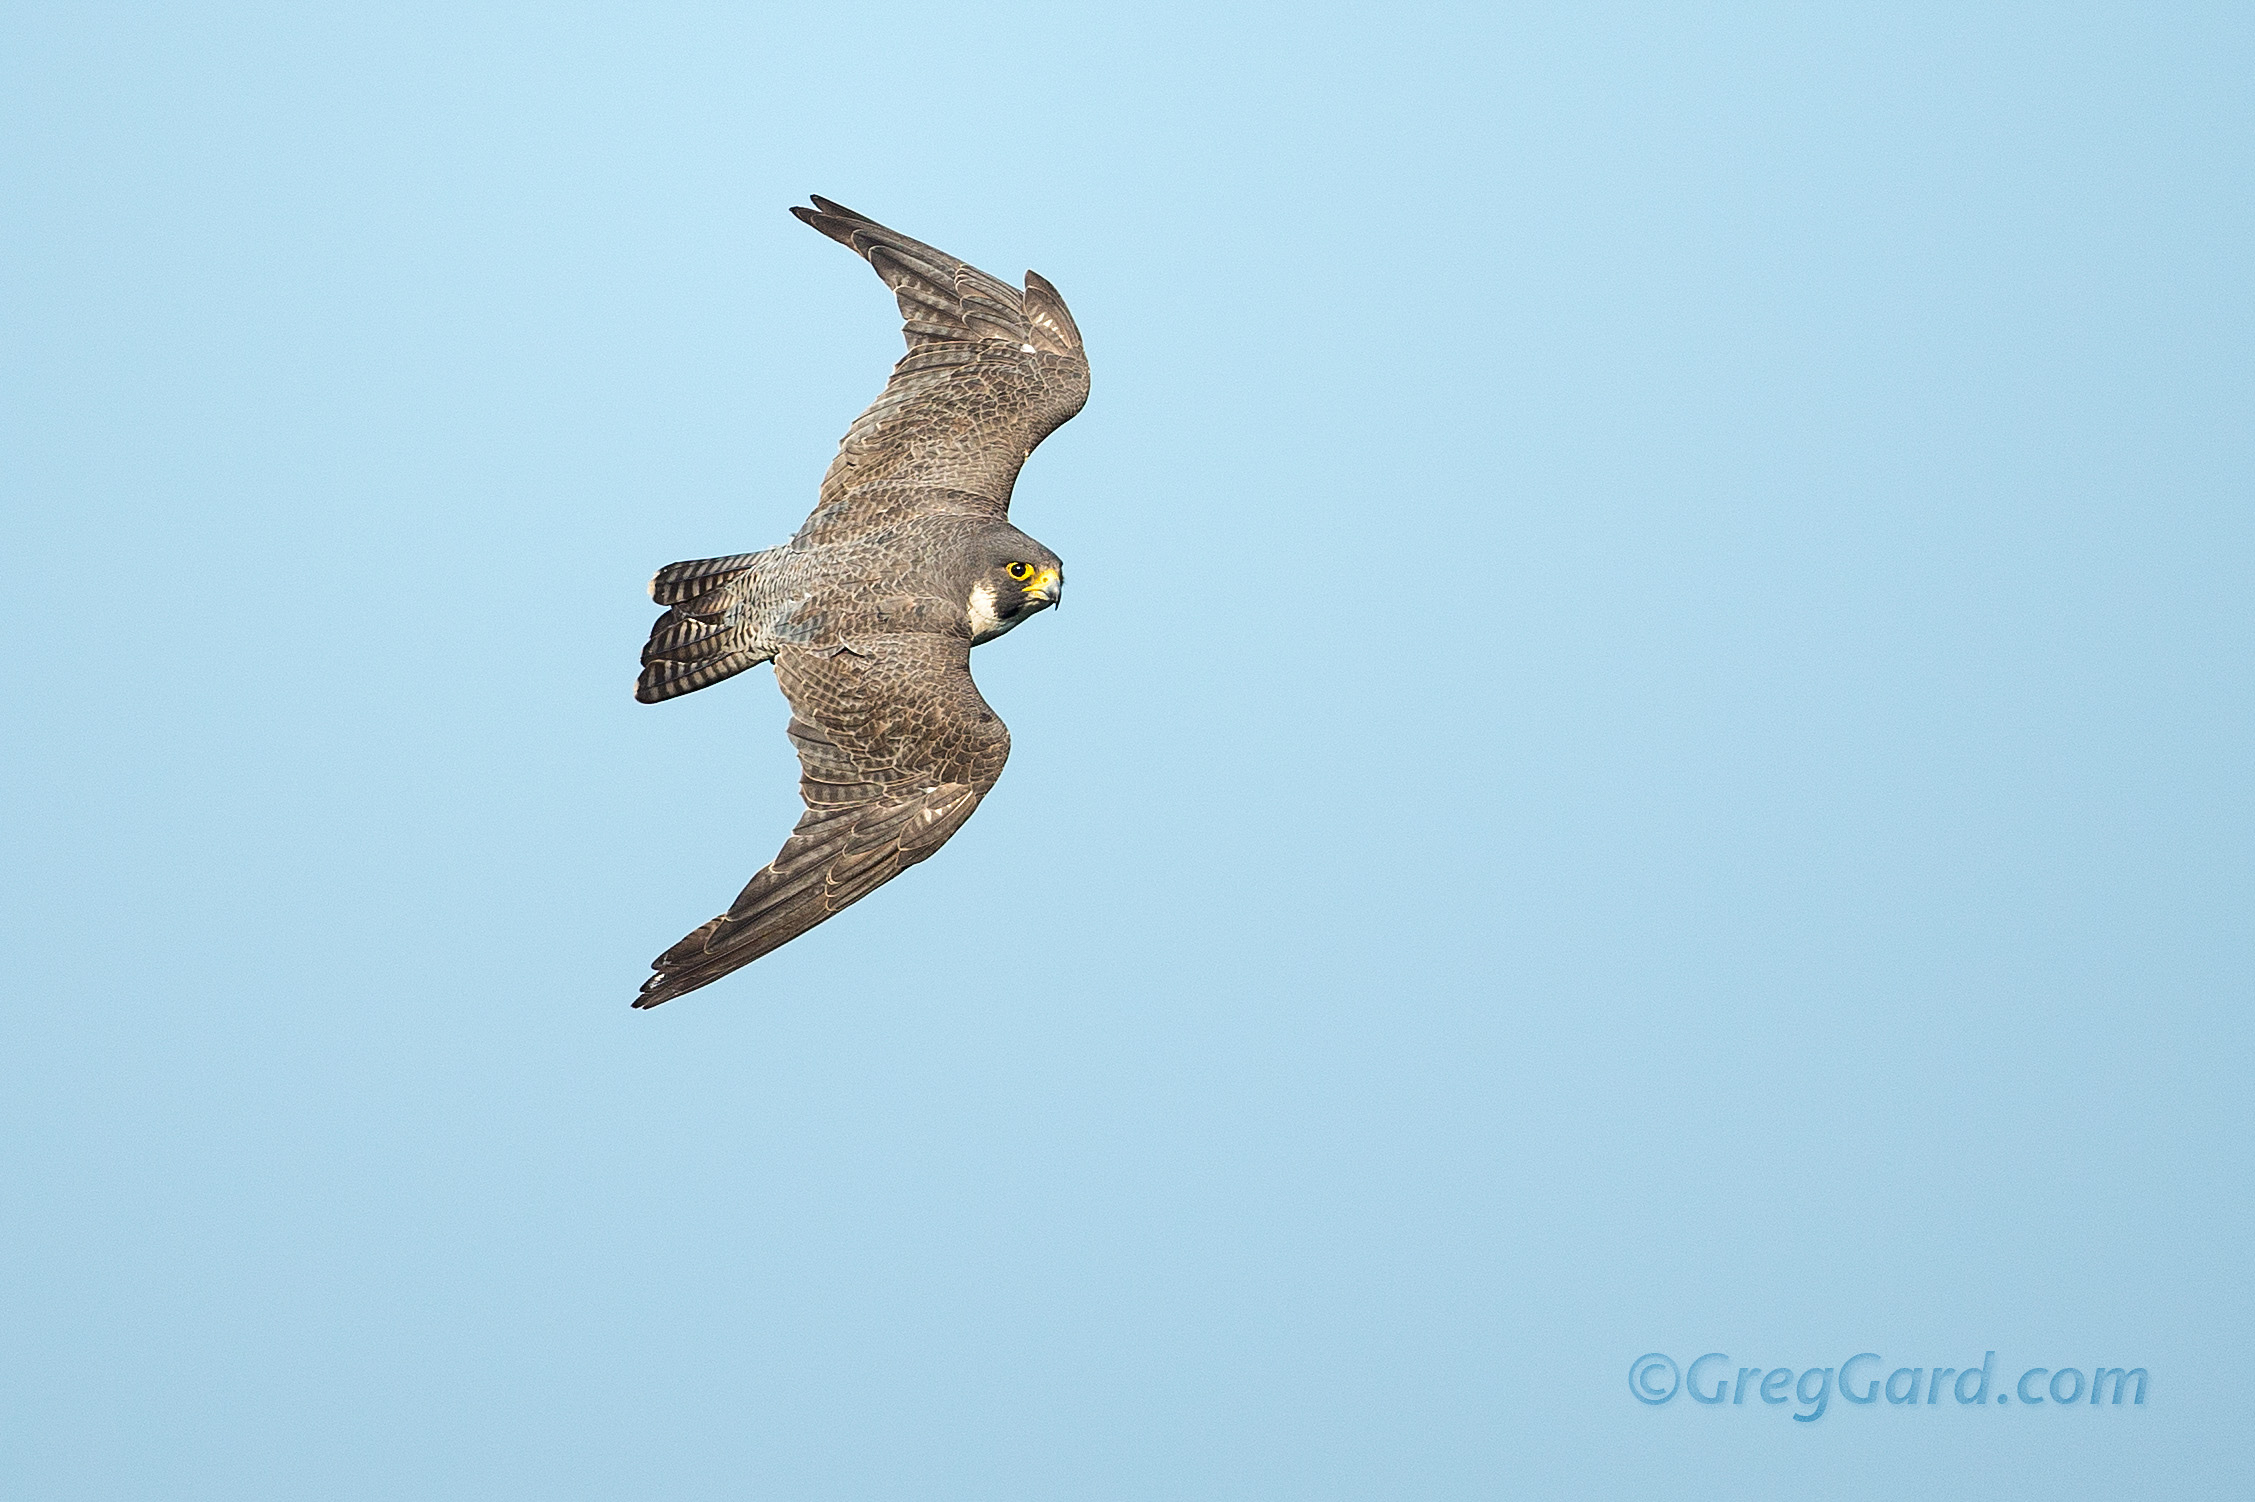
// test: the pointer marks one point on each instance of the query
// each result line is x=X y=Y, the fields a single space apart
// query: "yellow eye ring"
x=1020 y=571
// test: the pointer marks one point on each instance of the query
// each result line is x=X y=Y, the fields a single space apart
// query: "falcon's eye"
x=1020 y=571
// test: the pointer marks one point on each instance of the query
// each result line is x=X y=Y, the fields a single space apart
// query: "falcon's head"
x=1015 y=577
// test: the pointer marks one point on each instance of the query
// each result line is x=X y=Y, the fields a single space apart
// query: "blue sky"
x=1649 y=756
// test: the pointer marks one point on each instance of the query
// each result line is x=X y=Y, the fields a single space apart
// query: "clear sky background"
x=1650 y=754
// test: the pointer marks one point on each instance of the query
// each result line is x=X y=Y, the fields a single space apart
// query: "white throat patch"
x=985 y=624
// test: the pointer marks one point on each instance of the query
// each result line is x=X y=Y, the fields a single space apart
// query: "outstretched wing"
x=896 y=748
x=990 y=372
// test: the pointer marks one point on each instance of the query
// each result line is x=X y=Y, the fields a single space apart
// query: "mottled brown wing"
x=990 y=372
x=896 y=748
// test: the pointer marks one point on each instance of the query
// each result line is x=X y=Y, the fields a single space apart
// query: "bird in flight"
x=870 y=612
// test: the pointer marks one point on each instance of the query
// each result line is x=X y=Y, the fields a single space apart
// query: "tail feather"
x=707 y=635
x=676 y=582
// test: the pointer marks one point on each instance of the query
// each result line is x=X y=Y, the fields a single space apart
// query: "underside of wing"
x=990 y=371
x=896 y=748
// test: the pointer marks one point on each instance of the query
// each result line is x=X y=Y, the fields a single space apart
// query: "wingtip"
x=1052 y=322
x=830 y=219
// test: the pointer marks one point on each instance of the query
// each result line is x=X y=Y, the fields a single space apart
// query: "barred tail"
x=705 y=637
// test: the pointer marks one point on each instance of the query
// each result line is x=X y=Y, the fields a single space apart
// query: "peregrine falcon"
x=870 y=612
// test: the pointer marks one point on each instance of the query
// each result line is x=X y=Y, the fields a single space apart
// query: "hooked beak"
x=1048 y=587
